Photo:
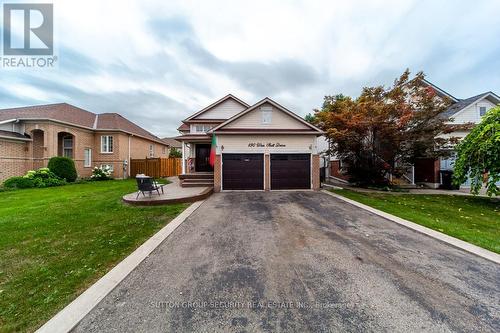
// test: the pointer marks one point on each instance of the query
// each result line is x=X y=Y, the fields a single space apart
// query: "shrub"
x=18 y=182
x=42 y=177
x=174 y=153
x=101 y=173
x=63 y=167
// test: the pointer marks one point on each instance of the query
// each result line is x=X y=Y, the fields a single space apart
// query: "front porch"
x=196 y=168
x=172 y=193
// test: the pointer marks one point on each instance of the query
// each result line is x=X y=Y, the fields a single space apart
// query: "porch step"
x=196 y=179
x=197 y=184
x=197 y=175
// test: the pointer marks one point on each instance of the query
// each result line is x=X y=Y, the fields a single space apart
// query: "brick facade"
x=315 y=173
x=17 y=157
x=267 y=172
x=335 y=170
x=217 y=173
x=13 y=158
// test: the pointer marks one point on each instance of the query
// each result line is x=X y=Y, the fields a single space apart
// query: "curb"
x=455 y=242
x=66 y=319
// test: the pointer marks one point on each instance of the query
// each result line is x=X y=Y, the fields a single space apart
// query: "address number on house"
x=262 y=144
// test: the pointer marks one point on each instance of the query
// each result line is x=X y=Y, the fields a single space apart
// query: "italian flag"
x=212 y=151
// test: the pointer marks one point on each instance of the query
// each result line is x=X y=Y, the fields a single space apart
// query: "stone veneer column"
x=315 y=173
x=217 y=173
x=267 y=172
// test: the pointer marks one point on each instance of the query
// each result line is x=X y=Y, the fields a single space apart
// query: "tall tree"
x=478 y=155
x=384 y=128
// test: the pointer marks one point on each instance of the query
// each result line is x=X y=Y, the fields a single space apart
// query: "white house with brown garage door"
x=263 y=146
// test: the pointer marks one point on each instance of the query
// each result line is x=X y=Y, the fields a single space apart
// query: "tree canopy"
x=384 y=128
x=478 y=155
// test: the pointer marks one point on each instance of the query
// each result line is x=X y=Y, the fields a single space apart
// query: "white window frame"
x=110 y=167
x=87 y=159
x=267 y=115
x=151 y=150
x=200 y=128
x=485 y=110
x=105 y=144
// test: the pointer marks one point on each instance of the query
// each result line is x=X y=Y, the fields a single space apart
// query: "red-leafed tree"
x=384 y=128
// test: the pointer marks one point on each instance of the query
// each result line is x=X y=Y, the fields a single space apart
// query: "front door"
x=202 y=160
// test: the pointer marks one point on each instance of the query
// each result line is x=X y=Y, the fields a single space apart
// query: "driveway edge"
x=66 y=319
x=458 y=243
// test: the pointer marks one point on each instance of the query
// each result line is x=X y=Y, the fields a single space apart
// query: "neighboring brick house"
x=30 y=136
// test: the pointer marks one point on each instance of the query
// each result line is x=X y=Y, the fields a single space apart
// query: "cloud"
x=156 y=62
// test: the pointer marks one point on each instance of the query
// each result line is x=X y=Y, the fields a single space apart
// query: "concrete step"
x=197 y=175
x=197 y=184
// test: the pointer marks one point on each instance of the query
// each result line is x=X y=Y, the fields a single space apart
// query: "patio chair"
x=147 y=184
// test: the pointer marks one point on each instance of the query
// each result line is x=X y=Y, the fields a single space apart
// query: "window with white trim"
x=267 y=113
x=109 y=166
x=151 y=151
x=106 y=144
x=482 y=110
x=87 y=157
x=201 y=128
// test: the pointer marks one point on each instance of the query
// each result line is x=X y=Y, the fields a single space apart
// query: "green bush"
x=40 y=178
x=63 y=167
x=18 y=182
x=174 y=153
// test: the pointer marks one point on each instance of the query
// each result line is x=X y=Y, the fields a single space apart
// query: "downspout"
x=129 y=162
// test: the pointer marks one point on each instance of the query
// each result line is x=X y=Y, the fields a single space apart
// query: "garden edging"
x=66 y=319
x=460 y=244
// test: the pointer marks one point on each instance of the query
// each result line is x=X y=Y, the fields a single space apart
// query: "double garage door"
x=246 y=171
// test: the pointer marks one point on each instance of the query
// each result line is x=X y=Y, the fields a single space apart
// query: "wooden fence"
x=156 y=167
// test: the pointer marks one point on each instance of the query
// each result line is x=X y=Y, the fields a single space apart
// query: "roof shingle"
x=67 y=113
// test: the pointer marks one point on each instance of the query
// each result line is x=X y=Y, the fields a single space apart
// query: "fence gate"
x=156 y=167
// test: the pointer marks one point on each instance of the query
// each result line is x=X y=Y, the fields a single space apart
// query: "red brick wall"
x=267 y=172
x=217 y=173
x=336 y=172
x=315 y=173
x=13 y=158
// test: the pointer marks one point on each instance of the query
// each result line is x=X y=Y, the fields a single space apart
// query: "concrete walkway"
x=301 y=262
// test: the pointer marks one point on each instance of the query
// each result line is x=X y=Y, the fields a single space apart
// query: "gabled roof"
x=440 y=92
x=72 y=115
x=276 y=105
x=222 y=100
x=464 y=103
x=172 y=142
x=62 y=112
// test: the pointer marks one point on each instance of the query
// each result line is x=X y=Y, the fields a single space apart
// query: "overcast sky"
x=156 y=62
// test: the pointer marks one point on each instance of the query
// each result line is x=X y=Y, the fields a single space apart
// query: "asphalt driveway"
x=300 y=261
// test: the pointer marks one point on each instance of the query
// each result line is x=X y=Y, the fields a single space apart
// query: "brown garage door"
x=242 y=172
x=290 y=171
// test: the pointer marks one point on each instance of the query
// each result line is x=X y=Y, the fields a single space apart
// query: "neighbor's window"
x=151 y=150
x=68 y=146
x=106 y=144
x=109 y=166
x=87 y=157
x=164 y=150
x=267 y=113
x=482 y=110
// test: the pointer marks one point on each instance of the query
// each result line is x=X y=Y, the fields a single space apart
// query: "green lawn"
x=55 y=242
x=473 y=219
